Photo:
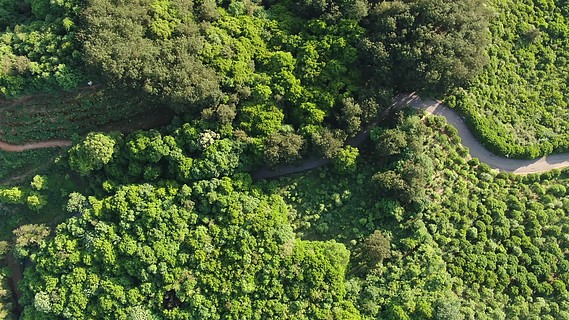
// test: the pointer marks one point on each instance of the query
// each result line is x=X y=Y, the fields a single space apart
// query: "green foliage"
x=260 y=120
x=36 y=201
x=150 y=46
x=375 y=248
x=39 y=182
x=328 y=143
x=11 y=195
x=207 y=250
x=518 y=105
x=283 y=148
x=410 y=171
x=168 y=225
x=39 y=51
x=63 y=114
x=345 y=160
x=28 y=238
x=15 y=165
x=93 y=152
x=388 y=141
x=351 y=116
x=6 y=300
x=268 y=68
x=498 y=233
x=428 y=45
x=332 y=10
x=187 y=154
x=485 y=245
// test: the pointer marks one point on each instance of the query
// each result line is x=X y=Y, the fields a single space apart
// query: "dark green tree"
x=283 y=148
x=433 y=45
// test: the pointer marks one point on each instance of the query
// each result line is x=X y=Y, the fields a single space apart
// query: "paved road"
x=477 y=150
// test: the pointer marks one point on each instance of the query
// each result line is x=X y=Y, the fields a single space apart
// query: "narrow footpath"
x=33 y=145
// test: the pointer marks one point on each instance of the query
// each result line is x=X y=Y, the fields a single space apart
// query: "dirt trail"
x=34 y=145
x=143 y=122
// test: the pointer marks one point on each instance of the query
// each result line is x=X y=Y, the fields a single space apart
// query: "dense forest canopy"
x=168 y=223
x=207 y=251
x=38 y=47
x=303 y=58
x=482 y=244
x=432 y=45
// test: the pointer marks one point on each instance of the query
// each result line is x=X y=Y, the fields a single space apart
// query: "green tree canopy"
x=430 y=44
x=93 y=152
x=151 y=45
x=205 y=251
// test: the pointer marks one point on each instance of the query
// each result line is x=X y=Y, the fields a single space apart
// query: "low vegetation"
x=62 y=115
x=518 y=105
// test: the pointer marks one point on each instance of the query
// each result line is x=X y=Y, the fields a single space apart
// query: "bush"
x=11 y=196
x=346 y=159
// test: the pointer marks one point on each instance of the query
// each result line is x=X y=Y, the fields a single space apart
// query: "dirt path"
x=34 y=145
x=477 y=150
x=144 y=122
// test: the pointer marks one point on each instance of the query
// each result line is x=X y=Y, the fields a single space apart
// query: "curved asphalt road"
x=477 y=150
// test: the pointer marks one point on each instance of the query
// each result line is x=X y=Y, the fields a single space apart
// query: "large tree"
x=96 y=150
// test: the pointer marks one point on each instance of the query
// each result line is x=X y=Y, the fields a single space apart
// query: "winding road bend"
x=435 y=107
x=477 y=150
